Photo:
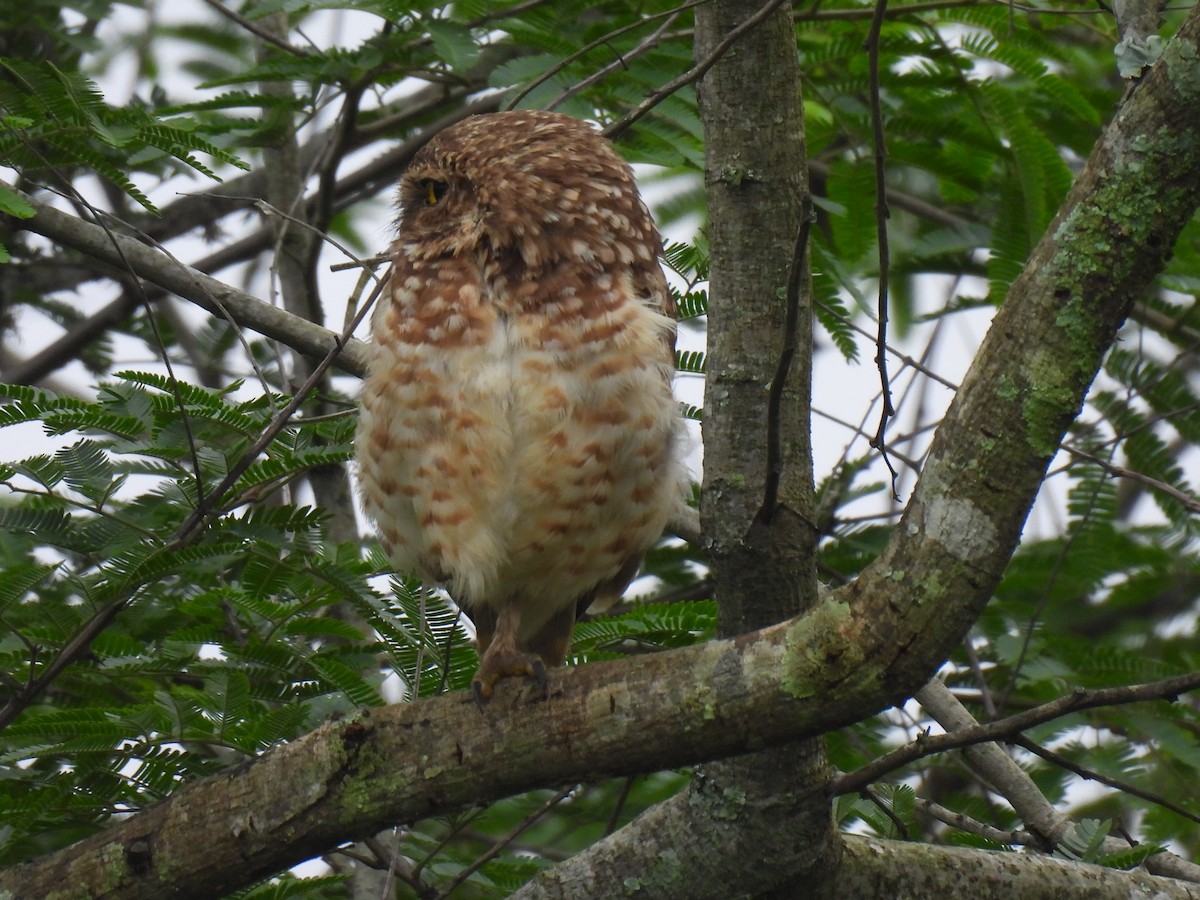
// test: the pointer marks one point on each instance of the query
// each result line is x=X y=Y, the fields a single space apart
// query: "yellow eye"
x=434 y=191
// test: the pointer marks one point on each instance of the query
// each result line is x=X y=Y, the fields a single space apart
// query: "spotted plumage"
x=519 y=441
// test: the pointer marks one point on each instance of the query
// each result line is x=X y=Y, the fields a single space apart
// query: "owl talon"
x=494 y=667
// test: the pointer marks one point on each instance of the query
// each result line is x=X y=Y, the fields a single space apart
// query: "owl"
x=518 y=441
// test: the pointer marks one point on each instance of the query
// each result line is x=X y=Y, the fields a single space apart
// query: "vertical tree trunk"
x=762 y=559
x=757 y=181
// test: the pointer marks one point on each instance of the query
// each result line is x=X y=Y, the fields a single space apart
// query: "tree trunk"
x=759 y=810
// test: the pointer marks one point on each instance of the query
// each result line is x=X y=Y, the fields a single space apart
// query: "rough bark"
x=904 y=871
x=866 y=646
x=757 y=187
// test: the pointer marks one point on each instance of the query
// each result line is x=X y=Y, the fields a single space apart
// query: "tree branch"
x=877 y=868
x=697 y=71
x=965 y=736
x=264 y=34
x=1013 y=783
x=218 y=298
x=352 y=777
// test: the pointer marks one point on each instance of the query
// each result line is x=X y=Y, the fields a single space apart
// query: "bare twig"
x=255 y=29
x=588 y=48
x=191 y=284
x=927 y=745
x=1047 y=586
x=797 y=278
x=879 y=441
x=974 y=826
x=1092 y=775
x=195 y=522
x=908 y=9
x=79 y=644
x=515 y=10
x=622 y=60
x=1012 y=782
x=494 y=851
x=1192 y=504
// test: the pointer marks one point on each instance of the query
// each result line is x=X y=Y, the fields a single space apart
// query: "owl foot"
x=495 y=666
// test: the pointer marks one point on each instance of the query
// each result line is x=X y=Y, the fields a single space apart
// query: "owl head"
x=535 y=187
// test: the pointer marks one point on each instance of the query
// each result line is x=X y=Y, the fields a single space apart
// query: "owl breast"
x=518 y=440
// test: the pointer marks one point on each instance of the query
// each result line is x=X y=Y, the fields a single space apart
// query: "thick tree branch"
x=1108 y=241
x=350 y=778
x=909 y=871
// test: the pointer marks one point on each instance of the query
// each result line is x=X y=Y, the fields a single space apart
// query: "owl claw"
x=495 y=667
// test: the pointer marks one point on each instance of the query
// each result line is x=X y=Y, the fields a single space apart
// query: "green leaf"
x=13 y=204
x=339 y=676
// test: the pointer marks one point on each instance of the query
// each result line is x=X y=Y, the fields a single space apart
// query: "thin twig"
x=854 y=13
x=1058 y=759
x=887 y=411
x=369 y=262
x=1047 y=587
x=196 y=520
x=974 y=826
x=791 y=328
x=893 y=817
x=588 y=48
x=1191 y=503
x=190 y=284
x=82 y=640
x=503 y=842
x=611 y=826
x=331 y=157
x=508 y=12
x=1005 y=729
x=861 y=431
x=258 y=31
x=622 y=60
x=985 y=691
x=445 y=679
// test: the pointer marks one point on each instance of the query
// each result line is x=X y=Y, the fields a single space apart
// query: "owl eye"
x=433 y=191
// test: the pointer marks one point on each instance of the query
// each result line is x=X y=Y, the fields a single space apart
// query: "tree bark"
x=352 y=777
x=898 y=870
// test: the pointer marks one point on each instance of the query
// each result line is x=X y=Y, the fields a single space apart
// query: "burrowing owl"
x=519 y=442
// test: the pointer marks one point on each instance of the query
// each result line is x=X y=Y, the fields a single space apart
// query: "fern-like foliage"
x=224 y=645
x=58 y=118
